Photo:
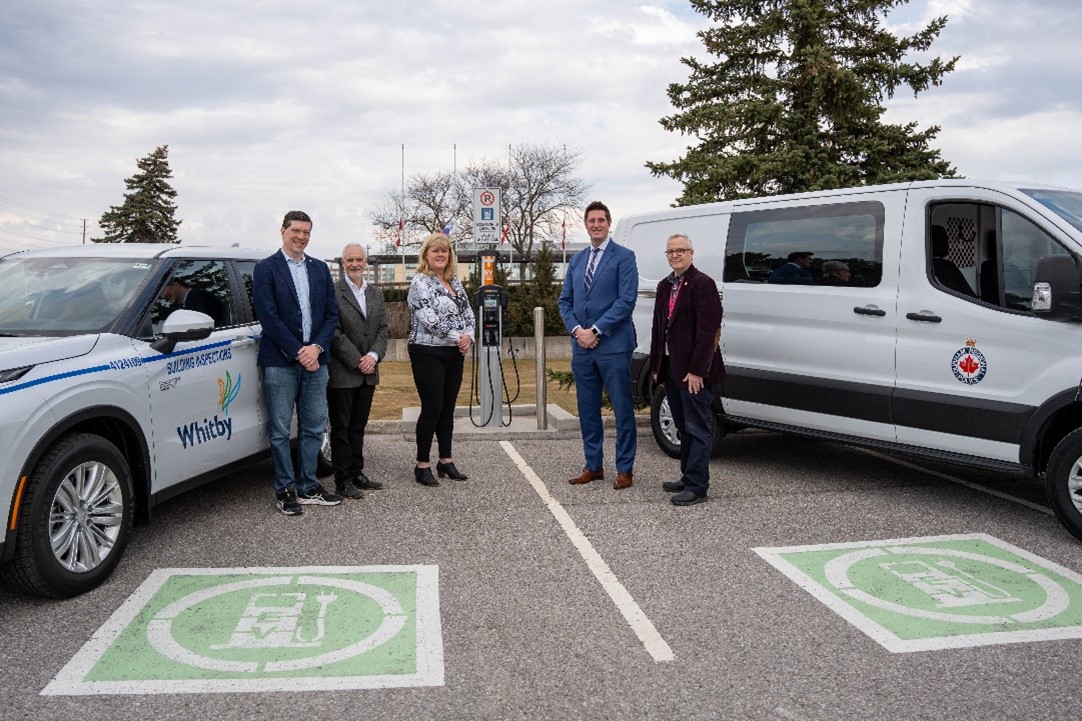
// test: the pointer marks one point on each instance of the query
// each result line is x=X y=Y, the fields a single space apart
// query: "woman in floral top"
x=441 y=333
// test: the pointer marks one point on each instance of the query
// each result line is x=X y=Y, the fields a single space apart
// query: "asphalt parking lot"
x=532 y=627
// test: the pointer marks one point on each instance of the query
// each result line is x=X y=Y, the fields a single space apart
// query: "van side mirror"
x=1056 y=289
x=183 y=325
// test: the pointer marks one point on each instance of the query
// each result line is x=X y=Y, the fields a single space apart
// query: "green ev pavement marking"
x=923 y=594
x=266 y=629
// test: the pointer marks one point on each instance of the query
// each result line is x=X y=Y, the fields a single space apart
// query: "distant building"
x=398 y=269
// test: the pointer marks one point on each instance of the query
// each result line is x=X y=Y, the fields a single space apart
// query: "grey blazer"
x=356 y=335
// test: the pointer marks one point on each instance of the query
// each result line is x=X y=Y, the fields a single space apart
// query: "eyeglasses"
x=677 y=252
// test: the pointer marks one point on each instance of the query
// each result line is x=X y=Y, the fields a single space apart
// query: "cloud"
x=272 y=105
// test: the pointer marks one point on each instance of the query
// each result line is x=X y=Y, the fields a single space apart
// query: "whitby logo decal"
x=969 y=364
x=227 y=391
x=197 y=433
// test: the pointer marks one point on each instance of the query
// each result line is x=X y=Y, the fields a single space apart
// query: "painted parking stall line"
x=643 y=627
x=234 y=630
x=937 y=592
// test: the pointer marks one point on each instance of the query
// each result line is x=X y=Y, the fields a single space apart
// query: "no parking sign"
x=486 y=215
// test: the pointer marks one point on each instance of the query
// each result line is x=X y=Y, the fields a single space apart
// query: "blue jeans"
x=692 y=414
x=287 y=388
x=611 y=371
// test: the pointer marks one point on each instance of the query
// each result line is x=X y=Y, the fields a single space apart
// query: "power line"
x=39 y=211
x=24 y=212
x=37 y=238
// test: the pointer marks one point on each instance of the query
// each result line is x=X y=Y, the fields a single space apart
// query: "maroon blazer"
x=693 y=331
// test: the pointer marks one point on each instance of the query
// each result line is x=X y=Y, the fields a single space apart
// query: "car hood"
x=27 y=351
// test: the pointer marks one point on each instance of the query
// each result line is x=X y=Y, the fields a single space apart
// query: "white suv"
x=116 y=397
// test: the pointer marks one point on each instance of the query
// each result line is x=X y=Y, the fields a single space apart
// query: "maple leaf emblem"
x=969 y=366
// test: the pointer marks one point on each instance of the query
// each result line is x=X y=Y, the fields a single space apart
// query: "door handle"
x=869 y=310
x=925 y=316
x=243 y=341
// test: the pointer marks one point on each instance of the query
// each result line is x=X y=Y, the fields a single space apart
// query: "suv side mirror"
x=1056 y=290
x=183 y=325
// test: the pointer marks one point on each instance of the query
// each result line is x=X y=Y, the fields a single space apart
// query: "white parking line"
x=640 y=624
x=959 y=481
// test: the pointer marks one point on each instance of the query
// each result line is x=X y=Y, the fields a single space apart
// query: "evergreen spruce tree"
x=546 y=290
x=541 y=290
x=795 y=101
x=146 y=215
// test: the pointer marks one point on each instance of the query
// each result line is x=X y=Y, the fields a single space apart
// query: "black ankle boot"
x=424 y=476
x=449 y=470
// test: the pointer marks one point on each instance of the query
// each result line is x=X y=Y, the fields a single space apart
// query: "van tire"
x=1063 y=481
x=662 y=424
x=664 y=428
x=55 y=498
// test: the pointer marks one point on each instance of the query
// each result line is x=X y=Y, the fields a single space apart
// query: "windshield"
x=1063 y=203
x=64 y=296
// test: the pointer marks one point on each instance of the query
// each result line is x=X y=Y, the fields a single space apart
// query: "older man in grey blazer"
x=360 y=341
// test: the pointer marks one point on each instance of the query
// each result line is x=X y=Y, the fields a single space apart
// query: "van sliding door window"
x=839 y=245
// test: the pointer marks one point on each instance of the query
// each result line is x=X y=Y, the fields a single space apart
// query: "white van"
x=115 y=398
x=933 y=344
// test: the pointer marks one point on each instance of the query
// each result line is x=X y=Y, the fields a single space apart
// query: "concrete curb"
x=521 y=425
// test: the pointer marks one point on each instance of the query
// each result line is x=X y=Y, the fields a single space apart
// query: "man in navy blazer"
x=596 y=302
x=295 y=304
x=684 y=356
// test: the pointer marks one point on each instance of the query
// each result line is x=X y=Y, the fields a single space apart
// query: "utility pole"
x=84 y=231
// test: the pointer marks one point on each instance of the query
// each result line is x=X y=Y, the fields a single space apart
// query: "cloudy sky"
x=272 y=105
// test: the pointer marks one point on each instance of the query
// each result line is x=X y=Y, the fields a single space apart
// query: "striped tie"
x=590 y=268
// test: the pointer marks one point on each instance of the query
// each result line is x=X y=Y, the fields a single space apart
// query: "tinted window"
x=822 y=245
x=1065 y=204
x=986 y=253
x=245 y=269
x=199 y=285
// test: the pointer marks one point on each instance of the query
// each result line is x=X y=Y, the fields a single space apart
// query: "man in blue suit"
x=596 y=303
x=295 y=304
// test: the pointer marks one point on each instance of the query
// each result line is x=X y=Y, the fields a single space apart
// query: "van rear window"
x=838 y=244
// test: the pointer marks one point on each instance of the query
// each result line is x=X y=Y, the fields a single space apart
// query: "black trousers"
x=437 y=373
x=348 y=410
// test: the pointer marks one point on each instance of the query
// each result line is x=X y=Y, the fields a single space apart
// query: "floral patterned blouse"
x=438 y=316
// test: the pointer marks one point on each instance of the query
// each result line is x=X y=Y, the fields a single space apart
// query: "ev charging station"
x=490 y=301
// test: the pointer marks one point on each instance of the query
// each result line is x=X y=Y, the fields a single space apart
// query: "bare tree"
x=430 y=201
x=538 y=183
x=545 y=184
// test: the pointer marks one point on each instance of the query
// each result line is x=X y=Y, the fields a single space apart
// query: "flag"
x=447 y=229
x=398 y=243
x=563 y=239
x=506 y=230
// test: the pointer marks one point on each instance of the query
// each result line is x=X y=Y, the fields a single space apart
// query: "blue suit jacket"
x=609 y=302
x=279 y=312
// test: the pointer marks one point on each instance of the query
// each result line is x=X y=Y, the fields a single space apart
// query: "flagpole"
x=401 y=212
x=564 y=244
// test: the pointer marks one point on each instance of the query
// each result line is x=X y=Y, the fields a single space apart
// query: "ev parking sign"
x=486 y=215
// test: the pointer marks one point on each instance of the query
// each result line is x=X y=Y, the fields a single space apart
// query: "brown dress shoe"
x=623 y=480
x=587 y=476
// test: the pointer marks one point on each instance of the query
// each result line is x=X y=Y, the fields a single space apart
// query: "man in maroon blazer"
x=684 y=357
